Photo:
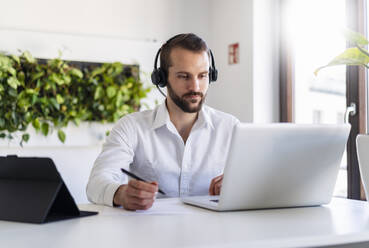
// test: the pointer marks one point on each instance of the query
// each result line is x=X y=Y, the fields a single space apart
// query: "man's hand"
x=216 y=185
x=136 y=195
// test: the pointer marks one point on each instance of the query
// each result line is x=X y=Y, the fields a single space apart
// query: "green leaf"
x=73 y=113
x=76 y=72
x=63 y=108
x=101 y=107
x=23 y=103
x=111 y=91
x=118 y=100
x=355 y=38
x=2 y=135
x=57 y=79
x=30 y=91
x=2 y=123
x=34 y=99
x=12 y=92
x=45 y=128
x=67 y=79
x=15 y=58
x=25 y=137
x=12 y=71
x=36 y=124
x=54 y=103
x=21 y=77
x=59 y=99
x=77 y=121
x=29 y=58
x=13 y=82
x=98 y=93
x=37 y=75
x=61 y=135
x=97 y=71
x=28 y=117
x=352 y=56
x=5 y=63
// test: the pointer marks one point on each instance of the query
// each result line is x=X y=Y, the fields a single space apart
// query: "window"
x=314 y=40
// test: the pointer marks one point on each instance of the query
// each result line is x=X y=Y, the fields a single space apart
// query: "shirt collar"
x=204 y=118
x=162 y=117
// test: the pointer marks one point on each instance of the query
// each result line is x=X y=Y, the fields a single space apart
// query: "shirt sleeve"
x=235 y=121
x=117 y=152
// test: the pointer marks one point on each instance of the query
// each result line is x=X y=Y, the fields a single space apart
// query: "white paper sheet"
x=166 y=206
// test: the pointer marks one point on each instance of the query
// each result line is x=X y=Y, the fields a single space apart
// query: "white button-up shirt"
x=148 y=144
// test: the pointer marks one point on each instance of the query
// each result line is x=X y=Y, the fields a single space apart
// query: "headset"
x=159 y=76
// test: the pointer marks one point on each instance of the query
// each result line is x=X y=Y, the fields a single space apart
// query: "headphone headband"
x=156 y=59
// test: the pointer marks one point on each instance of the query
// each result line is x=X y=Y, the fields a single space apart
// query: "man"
x=180 y=146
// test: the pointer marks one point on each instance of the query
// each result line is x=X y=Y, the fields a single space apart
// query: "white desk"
x=171 y=224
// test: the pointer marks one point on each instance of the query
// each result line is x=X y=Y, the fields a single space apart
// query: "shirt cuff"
x=109 y=193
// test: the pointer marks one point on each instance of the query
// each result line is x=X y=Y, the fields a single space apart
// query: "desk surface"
x=172 y=224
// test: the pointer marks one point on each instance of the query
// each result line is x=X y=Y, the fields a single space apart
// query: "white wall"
x=232 y=21
x=266 y=61
x=249 y=90
x=137 y=20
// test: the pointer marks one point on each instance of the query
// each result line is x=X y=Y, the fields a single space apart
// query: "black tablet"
x=32 y=190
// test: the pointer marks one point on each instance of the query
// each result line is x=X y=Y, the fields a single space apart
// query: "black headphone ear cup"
x=158 y=77
x=155 y=77
x=213 y=74
x=210 y=75
x=215 y=77
x=163 y=78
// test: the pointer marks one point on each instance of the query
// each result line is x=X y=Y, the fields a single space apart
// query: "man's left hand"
x=216 y=185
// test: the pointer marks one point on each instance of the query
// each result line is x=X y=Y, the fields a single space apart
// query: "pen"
x=137 y=178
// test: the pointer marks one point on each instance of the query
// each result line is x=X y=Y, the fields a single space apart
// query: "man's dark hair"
x=187 y=41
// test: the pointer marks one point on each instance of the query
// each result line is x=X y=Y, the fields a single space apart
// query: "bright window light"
x=314 y=29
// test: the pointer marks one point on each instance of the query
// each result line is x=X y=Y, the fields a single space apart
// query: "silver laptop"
x=279 y=165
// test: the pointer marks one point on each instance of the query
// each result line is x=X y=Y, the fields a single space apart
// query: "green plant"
x=50 y=95
x=356 y=55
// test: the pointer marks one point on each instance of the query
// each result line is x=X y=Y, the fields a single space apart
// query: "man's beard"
x=183 y=104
